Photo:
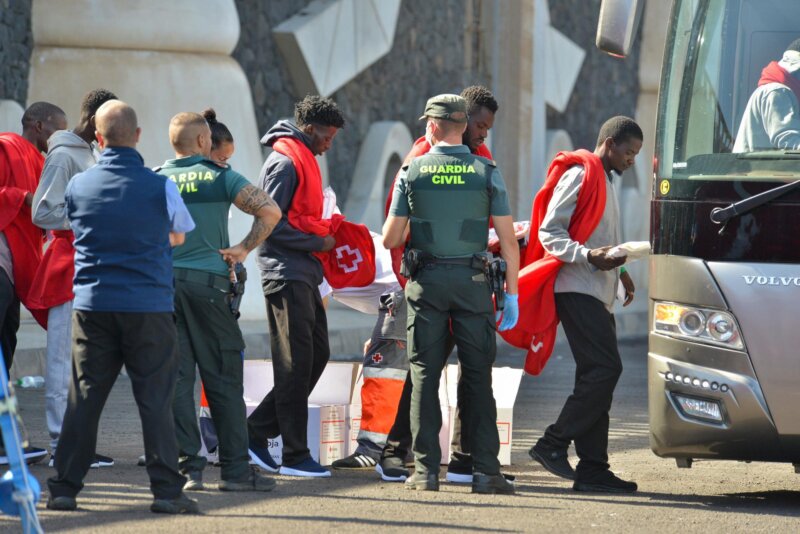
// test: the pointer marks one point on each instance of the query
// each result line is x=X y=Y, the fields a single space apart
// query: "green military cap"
x=447 y=107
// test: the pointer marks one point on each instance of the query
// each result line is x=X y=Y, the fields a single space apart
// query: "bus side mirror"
x=616 y=29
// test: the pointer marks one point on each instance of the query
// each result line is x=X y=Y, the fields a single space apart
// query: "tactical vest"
x=449 y=197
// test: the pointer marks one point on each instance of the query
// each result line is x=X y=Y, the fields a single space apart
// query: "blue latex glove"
x=510 y=313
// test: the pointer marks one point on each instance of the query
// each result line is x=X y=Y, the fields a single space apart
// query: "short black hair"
x=93 y=100
x=620 y=129
x=219 y=132
x=41 y=111
x=795 y=46
x=315 y=109
x=477 y=97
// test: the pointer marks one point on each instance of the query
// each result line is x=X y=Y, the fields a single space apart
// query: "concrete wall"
x=16 y=44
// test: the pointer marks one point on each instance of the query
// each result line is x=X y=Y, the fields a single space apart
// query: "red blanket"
x=20 y=167
x=52 y=284
x=538 y=320
x=420 y=147
x=351 y=263
x=773 y=73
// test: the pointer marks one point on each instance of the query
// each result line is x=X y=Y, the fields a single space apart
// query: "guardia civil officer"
x=445 y=199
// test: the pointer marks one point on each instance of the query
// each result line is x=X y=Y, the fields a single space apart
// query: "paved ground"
x=711 y=497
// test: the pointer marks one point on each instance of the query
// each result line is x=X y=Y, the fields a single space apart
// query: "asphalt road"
x=710 y=497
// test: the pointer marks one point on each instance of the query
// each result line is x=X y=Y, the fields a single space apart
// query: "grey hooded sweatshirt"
x=772 y=117
x=286 y=254
x=67 y=155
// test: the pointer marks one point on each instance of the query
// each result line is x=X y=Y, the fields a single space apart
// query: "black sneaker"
x=31 y=455
x=99 y=461
x=102 y=461
x=261 y=457
x=459 y=472
x=392 y=469
x=492 y=484
x=606 y=482
x=354 y=461
x=179 y=505
x=254 y=481
x=422 y=482
x=554 y=460
x=62 y=504
x=194 y=481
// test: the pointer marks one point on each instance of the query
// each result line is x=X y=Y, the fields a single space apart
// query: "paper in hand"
x=634 y=250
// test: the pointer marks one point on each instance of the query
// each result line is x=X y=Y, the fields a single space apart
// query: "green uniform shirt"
x=446 y=195
x=208 y=191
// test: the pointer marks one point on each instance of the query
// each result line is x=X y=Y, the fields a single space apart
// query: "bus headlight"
x=697 y=324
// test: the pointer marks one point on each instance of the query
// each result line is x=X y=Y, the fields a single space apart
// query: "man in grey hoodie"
x=69 y=153
x=772 y=117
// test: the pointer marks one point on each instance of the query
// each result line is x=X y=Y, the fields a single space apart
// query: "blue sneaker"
x=261 y=457
x=306 y=468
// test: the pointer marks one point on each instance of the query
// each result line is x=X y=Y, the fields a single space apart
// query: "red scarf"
x=774 y=73
x=538 y=320
x=20 y=168
x=421 y=147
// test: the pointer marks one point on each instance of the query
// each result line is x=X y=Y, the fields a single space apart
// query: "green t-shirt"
x=208 y=191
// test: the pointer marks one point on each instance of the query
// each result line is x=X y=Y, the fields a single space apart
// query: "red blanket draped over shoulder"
x=774 y=73
x=352 y=261
x=20 y=167
x=420 y=147
x=538 y=320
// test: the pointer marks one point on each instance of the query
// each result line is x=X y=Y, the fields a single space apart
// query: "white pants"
x=59 y=368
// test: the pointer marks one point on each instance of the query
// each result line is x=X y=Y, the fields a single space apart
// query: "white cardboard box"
x=505 y=386
x=327 y=410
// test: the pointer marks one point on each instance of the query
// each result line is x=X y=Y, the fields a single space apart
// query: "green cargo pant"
x=209 y=340
x=441 y=297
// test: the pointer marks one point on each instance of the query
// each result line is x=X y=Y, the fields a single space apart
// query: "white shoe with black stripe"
x=355 y=461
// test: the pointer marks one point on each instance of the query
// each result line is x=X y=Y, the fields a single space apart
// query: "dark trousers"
x=209 y=340
x=398 y=443
x=298 y=335
x=592 y=336
x=101 y=343
x=9 y=319
x=440 y=300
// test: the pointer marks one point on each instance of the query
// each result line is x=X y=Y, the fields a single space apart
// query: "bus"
x=724 y=340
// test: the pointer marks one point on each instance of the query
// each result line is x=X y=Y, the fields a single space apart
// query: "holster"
x=494 y=268
x=237 y=289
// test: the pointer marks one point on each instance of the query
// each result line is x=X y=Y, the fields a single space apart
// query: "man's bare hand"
x=328 y=243
x=367 y=343
x=28 y=199
x=599 y=258
x=627 y=283
x=234 y=255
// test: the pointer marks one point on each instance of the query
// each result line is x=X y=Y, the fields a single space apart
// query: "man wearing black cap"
x=445 y=199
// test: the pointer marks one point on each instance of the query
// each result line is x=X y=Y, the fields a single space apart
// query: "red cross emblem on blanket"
x=377 y=358
x=348 y=259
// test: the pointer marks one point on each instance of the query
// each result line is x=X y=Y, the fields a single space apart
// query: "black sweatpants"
x=298 y=334
x=146 y=343
x=592 y=336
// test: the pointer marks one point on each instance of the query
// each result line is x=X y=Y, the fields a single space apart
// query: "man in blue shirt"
x=125 y=219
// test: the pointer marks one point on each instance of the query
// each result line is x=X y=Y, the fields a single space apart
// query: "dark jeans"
x=592 y=336
x=298 y=334
x=101 y=343
x=210 y=340
x=9 y=319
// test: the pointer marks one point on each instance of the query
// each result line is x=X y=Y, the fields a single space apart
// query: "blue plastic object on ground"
x=19 y=490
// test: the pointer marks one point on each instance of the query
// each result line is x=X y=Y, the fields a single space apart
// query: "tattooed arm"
x=266 y=215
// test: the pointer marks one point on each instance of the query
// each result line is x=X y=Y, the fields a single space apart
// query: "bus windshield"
x=729 y=107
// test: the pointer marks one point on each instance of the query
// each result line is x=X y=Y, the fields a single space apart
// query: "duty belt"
x=223 y=283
